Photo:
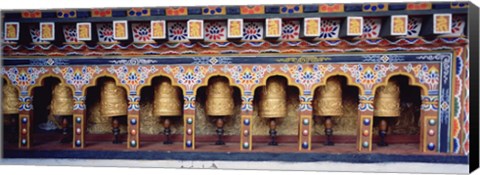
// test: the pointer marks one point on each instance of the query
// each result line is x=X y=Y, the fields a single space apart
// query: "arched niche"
x=10 y=119
x=205 y=125
x=345 y=126
x=45 y=127
x=404 y=129
x=100 y=128
x=287 y=127
x=151 y=127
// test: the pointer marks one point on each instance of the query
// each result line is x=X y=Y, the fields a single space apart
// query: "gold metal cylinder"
x=273 y=100
x=10 y=100
x=166 y=100
x=328 y=101
x=113 y=100
x=387 y=100
x=62 y=100
x=219 y=98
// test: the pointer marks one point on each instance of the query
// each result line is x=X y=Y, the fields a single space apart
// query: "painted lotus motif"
x=414 y=26
x=329 y=29
x=252 y=31
x=70 y=34
x=371 y=28
x=141 y=32
x=105 y=33
x=290 y=30
x=177 y=31
x=215 y=31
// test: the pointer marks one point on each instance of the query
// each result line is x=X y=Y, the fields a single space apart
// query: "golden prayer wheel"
x=62 y=100
x=10 y=100
x=328 y=101
x=219 y=98
x=387 y=100
x=273 y=100
x=166 y=101
x=113 y=101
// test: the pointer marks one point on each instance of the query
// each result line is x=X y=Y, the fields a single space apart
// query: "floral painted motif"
x=189 y=77
x=24 y=78
x=132 y=76
x=414 y=26
x=70 y=33
x=177 y=31
x=78 y=77
x=306 y=103
x=368 y=76
x=329 y=29
x=133 y=103
x=290 y=30
x=105 y=33
x=371 y=28
x=35 y=34
x=141 y=32
x=247 y=101
x=215 y=31
x=252 y=31
x=366 y=103
x=307 y=75
x=247 y=76
x=430 y=103
x=425 y=75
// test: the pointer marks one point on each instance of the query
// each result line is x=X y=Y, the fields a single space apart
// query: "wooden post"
x=246 y=123
x=429 y=124
x=365 y=123
x=79 y=113
x=133 y=121
x=305 y=124
x=24 y=118
x=189 y=122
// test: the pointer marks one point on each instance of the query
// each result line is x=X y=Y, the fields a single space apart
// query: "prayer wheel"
x=219 y=98
x=113 y=100
x=166 y=100
x=387 y=100
x=10 y=100
x=62 y=100
x=328 y=102
x=273 y=101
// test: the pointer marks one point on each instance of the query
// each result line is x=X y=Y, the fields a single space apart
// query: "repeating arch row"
x=203 y=81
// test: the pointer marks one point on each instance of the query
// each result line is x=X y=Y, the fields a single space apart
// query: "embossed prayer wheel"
x=62 y=100
x=10 y=100
x=219 y=98
x=113 y=101
x=166 y=100
x=328 y=102
x=387 y=100
x=273 y=100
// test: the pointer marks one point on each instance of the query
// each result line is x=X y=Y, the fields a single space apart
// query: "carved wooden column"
x=305 y=123
x=246 y=125
x=79 y=113
x=365 y=123
x=189 y=122
x=133 y=119
x=24 y=119
x=428 y=123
